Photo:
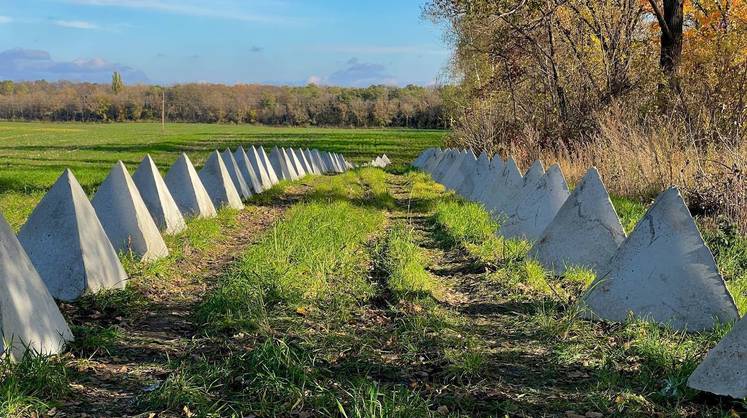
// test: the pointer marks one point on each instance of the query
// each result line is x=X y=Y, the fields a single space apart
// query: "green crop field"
x=33 y=155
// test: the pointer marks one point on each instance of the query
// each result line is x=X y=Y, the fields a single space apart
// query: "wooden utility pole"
x=163 y=110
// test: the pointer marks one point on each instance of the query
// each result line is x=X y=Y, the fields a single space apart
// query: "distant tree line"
x=375 y=106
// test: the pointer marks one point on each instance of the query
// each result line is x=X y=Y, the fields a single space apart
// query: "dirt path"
x=522 y=375
x=109 y=383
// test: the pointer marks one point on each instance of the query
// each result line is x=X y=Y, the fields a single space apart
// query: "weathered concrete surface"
x=274 y=177
x=513 y=197
x=304 y=162
x=664 y=273
x=431 y=164
x=724 y=371
x=444 y=165
x=188 y=191
x=537 y=207
x=157 y=197
x=476 y=175
x=255 y=176
x=328 y=163
x=239 y=182
x=386 y=159
x=319 y=157
x=315 y=168
x=280 y=164
x=586 y=232
x=421 y=159
x=295 y=175
x=125 y=218
x=263 y=179
x=65 y=241
x=535 y=172
x=29 y=318
x=501 y=196
x=297 y=164
x=465 y=165
x=218 y=183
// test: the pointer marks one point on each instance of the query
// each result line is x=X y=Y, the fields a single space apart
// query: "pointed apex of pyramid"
x=586 y=231
x=125 y=218
x=218 y=183
x=665 y=273
x=64 y=239
x=157 y=197
x=536 y=207
x=187 y=189
x=238 y=179
x=30 y=317
x=723 y=370
x=535 y=172
x=254 y=170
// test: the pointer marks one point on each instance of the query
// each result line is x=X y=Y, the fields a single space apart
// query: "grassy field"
x=33 y=155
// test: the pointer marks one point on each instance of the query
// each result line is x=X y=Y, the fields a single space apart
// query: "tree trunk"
x=671 y=37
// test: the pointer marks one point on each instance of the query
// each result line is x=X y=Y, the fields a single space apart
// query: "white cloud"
x=315 y=79
x=29 y=64
x=357 y=74
x=5 y=19
x=217 y=9
x=76 y=24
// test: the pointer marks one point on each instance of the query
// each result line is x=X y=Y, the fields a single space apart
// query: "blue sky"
x=336 y=42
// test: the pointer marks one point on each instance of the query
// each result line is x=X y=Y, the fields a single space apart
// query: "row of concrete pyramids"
x=662 y=272
x=69 y=245
x=381 y=161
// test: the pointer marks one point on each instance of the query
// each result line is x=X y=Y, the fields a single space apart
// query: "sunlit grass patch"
x=366 y=399
x=402 y=261
x=32 y=384
x=629 y=211
x=424 y=192
x=316 y=257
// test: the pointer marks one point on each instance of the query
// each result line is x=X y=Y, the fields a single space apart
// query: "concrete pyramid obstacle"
x=125 y=218
x=386 y=159
x=499 y=198
x=328 y=163
x=29 y=318
x=433 y=162
x=423 y=157
x=67 y=244
x=249 y=173
x=315 y=168
x=218 y=183
x=296 y=162
x=723 y=371
x=586 y=232
x=304 y=162
x=239 y=181
x=475 y=177
x=455 y=176
x=535 y=172
x=439 y=172
x=663 y=272
x=537 y=207
x=320 y=161
x=295 y=175
x=251 y=163
x=157 y=197
x=187 y=189
x=280 y=164
x=265 y=159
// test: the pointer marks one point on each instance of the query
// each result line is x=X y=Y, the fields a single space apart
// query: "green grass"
x=35 y=154
x=315 y=258
x=403 y=264
x=32 y=384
